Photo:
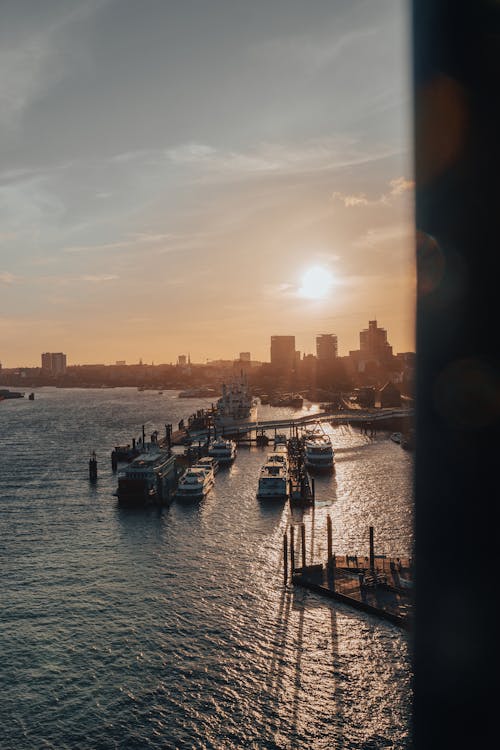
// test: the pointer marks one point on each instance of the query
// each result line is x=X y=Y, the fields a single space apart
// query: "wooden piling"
x=285 y=559
x=292 y=551
x=329 y=537
x=303 y=543
x=372 y=551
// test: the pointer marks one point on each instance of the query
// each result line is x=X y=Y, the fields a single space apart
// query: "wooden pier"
x=375 y=584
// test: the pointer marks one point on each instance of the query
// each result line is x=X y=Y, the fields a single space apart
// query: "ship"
x=5 y=393
x=236 y=406
x=149 y=479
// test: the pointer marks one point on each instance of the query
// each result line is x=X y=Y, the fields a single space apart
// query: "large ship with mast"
x=236 y=406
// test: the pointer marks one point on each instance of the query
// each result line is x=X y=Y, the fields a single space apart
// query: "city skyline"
x=194 y=177
x=184 y=358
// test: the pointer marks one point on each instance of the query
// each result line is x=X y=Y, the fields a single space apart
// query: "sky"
x=194 y=177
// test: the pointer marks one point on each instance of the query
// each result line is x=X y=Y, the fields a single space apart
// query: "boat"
x=278 y=458
x=195 y=483
x=198 y=393
x=149 y=479
x=273 y=481
x=210 y=462
x=223 y=449
x=236 y=406
x=318 y=451
x=280 y=442
x=396 y=437
x=5 y=394
x=289 y=399
x=31 y=397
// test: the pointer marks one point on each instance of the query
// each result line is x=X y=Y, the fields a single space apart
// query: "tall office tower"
x=182 y=360
x=283 y=353
x=54 y=363
x=373 y=342
x=326 y=347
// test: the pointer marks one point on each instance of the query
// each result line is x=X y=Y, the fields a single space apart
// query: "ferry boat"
x=236 y=406
x=209 y=462
x=318 y=451
x=223 y=449
x=273 y=481
x=149 y=479
x=195 y=483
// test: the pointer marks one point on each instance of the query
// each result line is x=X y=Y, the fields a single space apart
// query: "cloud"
x=98 y=278
x=280 y=159
x=383 y=235
x=398 y=186
x=7 y=278
x=351 y=200
x=401 y=185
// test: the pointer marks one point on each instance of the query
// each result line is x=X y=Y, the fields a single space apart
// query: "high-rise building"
x=373 y=342
x=245 y=356
x=326 y=347
x=283 y=353
x=182 y=360
x=54 y=363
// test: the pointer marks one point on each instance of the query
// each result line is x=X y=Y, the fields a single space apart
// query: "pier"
x=376 y=584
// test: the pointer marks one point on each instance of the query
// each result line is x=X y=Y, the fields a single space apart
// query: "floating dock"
x=375 y=584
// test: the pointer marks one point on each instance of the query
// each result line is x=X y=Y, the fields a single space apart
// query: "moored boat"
x=236 y=406
x=273 y=481
x=223 y=449
x=318 y=451
x=149 y=479
x=195 y=483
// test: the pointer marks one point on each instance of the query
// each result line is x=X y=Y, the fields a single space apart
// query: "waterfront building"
x=245 y=357
x=283 y=356
x=326 y=347
x=373 y=342
x=182 y=360
x=54 y=363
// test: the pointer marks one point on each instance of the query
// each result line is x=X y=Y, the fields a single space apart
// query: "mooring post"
x=313 y=490
x=329 y=538
x=372 y=551
x=93 y=467
x=292 y=552
x=285 y=559
x=332 y=571
x=303 y=543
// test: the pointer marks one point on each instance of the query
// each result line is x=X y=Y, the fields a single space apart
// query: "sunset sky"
x=171 y=171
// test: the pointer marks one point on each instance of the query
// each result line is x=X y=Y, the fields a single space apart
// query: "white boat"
x=273 y=482
x=236 y=406
x=209 y=462
x=223 y=449
x=318 y=452
x=195 y=483
x=149 y=479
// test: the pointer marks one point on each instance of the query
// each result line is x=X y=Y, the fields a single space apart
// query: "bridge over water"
x=345 y=416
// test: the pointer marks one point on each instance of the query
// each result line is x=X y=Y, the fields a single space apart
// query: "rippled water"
x=172 y=628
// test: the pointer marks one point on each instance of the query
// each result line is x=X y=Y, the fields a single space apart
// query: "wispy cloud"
x=281 y=159
x=401 y=185
x=383 y=235
x=98 y=278
x=33 y=62
x=398 y=186
x=7 y=278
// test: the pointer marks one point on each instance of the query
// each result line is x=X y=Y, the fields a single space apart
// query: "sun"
x=316 y=283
